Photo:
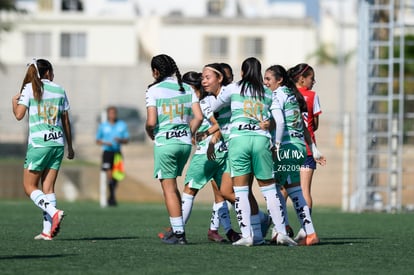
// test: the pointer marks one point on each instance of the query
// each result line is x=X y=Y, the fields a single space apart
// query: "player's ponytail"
x=33 y=76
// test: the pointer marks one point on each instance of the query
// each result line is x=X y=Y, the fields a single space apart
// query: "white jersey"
x=45 y=124
x=202 y=146
x=173 y=110
x=246 y=111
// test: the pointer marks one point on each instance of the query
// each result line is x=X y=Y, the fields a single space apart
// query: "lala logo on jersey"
x=52 y=135
x=248 y=126
x=176 y=134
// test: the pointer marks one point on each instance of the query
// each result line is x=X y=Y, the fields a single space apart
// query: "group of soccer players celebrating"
x=250 y=129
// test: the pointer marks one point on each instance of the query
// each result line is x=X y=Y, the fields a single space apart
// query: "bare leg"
x=306 y=175
x=172 y=197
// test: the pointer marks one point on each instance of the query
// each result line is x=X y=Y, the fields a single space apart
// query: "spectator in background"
x=111 y=135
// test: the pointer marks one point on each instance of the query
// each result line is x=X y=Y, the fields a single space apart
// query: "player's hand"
x=16 y=97
x=211 y=152
x=317 y=155
x=264 y=125
x=201 y=135
x=321 y=161
x=71 y=153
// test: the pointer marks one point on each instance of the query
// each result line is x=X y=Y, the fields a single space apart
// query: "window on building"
x=252 y=46
x=72 y=5
x=37 y=44
x=73 y=45
x=217 y=47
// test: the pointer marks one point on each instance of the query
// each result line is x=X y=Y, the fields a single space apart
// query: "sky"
x=312 y=7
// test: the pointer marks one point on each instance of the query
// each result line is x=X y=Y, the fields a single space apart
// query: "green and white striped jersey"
x=174 y=111
x=246 y=111
x=285 y=100
x=223 y=121
x=45 y=124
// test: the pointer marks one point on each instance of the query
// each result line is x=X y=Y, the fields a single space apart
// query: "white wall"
x=110 y=41
x=284 y=43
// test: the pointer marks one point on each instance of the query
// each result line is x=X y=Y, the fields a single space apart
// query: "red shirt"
x=314 y=110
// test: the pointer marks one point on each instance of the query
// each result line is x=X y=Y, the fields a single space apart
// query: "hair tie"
x=302 y=71
x=34 y=62
x=214 y=70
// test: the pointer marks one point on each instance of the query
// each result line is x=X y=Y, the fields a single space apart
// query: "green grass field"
x=123 y=240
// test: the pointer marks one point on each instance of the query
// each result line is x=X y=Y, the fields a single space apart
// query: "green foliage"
x=7 y=5
x=123 y=240
x=323 y=55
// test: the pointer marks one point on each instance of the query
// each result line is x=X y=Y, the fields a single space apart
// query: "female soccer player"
x=303 y=76
x=249 y=146
x=290 y=148
x=173 y=117
x=207 y=164
x=49 y=128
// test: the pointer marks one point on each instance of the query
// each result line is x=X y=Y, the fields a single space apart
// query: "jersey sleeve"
x=205 y=107
x=25 y=96
x=222 y=100
x=277 y=101
x=316 y=106
x=194 y=98
x=150 y=98
x=66 y=105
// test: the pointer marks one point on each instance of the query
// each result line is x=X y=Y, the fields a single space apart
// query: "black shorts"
x=108 y=160
x=310 y=163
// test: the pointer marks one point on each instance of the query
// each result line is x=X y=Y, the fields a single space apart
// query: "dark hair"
x=194 y=79
x=228 y=67
x=301 y=69
x=252 y=77
x=219 y=70
x=280 y=73
x=166 y=66
x=111 y=107
x=35 y=72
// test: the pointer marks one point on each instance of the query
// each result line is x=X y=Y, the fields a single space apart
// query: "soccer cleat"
x=289 y=231
x=248 y=241
x=214 y=236
x=309 y=240
x=233 y=236
x=166 y=234
x=301 y=235
x=265 y=224
x=43 y=236
x=175 y=238
x=282 y=239
x=56 y=221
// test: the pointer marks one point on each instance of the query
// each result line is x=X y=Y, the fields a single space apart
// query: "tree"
x=5 y=5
